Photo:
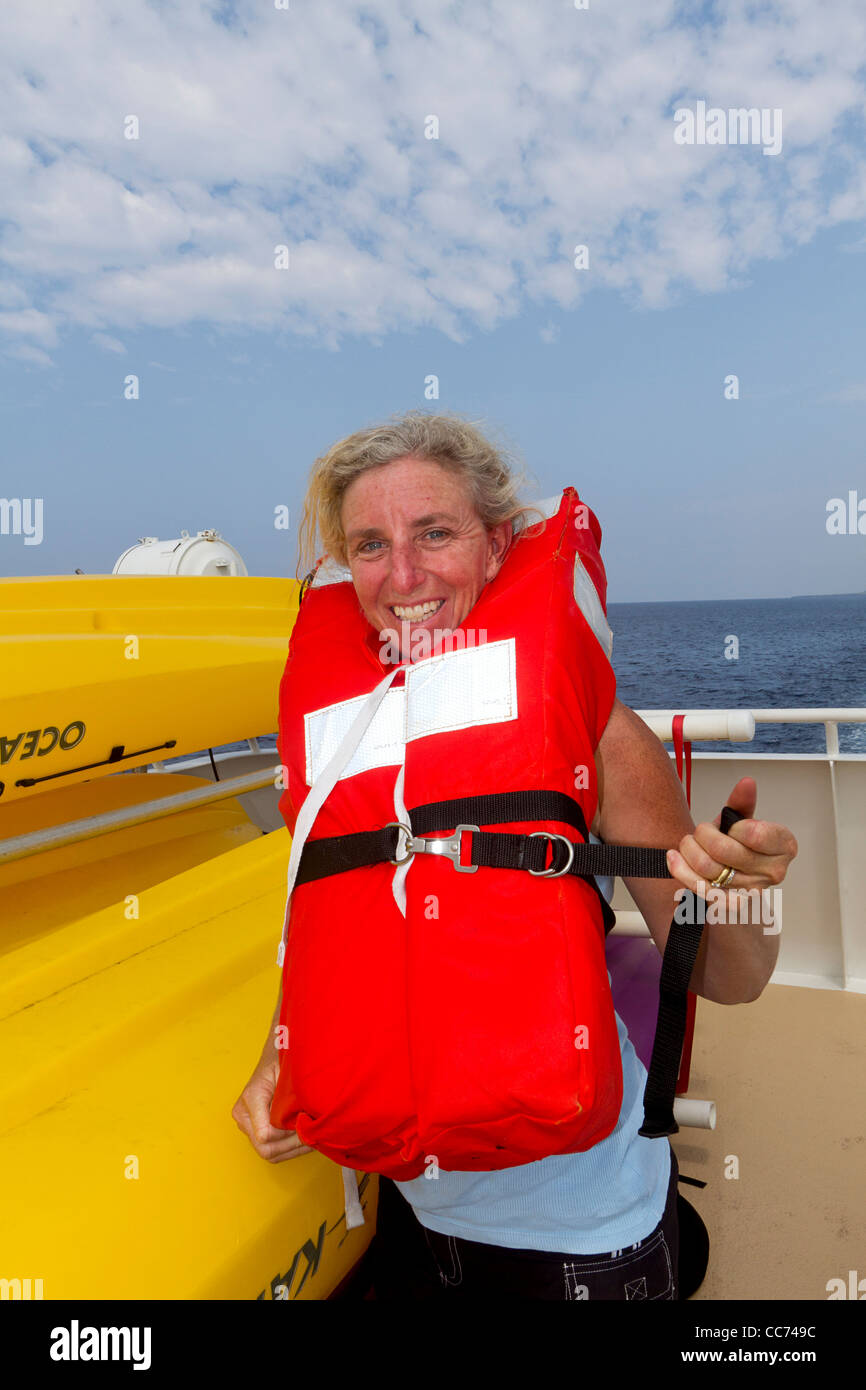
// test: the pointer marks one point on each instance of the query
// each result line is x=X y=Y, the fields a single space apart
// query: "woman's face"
x=418 y=552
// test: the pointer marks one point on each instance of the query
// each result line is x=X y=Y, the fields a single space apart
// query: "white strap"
x=352 y=1200
x=325 y=784
x=398 y=882
x=315 y=799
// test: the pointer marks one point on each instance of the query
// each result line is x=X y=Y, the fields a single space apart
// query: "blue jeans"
x=411 y=1262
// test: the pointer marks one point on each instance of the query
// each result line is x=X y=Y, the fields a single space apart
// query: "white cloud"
x=12 y=296
x=23 y=352
x=303 y=127
x=29 y=323
x=109 y=344
x=855 y=394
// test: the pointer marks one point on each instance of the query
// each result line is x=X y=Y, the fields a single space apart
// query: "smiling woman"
x=477 y=1042
x=429 y=555
x=454 y=444
x=421 y=544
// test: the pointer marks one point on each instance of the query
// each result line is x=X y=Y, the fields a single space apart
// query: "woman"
x=423 y=513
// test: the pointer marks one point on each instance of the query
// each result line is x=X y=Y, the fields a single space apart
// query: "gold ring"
x=723 y=878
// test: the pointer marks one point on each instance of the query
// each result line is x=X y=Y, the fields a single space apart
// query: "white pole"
x=38 y=841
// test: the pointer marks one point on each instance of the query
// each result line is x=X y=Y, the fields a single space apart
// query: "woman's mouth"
x=416 y=612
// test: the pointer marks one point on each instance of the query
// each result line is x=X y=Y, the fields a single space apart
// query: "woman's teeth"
x=418 y=611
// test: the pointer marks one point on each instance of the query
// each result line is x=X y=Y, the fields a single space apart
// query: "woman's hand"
x=758 y=850
x=252 y=1113
x=642 y=802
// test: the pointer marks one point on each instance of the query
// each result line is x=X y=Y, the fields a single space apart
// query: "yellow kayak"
x=137 y=982
x=102 y=672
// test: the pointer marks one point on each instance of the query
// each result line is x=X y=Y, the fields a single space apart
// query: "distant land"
x=785 y=598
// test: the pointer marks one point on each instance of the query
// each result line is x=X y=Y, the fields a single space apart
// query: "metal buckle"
x=551 y=872
x=407 y=830
x=449 y=846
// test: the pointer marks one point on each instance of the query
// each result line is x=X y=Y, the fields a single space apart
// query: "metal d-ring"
x=398 y=824
x=551 y=872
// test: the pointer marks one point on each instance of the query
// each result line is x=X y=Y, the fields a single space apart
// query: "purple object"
x=635 y=966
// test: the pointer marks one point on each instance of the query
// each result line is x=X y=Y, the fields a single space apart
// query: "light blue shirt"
x=588 y=1203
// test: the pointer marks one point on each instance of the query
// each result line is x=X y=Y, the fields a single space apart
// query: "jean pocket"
x=446 y=1257
x=628 y=1275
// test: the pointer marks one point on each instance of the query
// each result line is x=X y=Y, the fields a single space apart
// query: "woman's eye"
x=373 y=547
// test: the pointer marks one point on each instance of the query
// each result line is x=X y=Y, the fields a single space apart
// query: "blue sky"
x=412 y=256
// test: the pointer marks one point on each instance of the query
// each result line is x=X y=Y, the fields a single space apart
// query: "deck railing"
x=739 y=724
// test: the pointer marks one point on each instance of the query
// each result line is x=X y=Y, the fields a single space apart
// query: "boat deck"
x=786 y=1075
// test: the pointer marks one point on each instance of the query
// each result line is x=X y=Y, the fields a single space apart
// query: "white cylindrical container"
x=204 y=553
x=696 y=1114
x=734 y=725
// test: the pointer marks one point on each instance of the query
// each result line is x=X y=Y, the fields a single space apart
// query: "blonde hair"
x=446 y=439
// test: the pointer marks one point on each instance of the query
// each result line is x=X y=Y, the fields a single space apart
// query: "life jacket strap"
x=540 y=854
x=678 y=963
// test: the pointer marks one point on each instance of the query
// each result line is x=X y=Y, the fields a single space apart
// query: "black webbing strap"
x=498 y=808
x=493 y=849
x=500 y=850
x=338 y=854
x=489 y=849
x=678 y=963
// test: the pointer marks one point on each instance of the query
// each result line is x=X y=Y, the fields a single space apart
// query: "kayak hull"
x=109 y=672
x=130 y=1022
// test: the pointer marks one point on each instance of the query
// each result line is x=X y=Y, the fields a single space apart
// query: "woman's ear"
x=499 y=539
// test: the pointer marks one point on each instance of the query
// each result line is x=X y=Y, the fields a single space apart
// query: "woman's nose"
x=406 y=575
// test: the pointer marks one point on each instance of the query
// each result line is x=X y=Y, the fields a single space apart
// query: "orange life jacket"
x=437 y=1014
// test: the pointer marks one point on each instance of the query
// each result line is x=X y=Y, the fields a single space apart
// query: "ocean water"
x=793 y=652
